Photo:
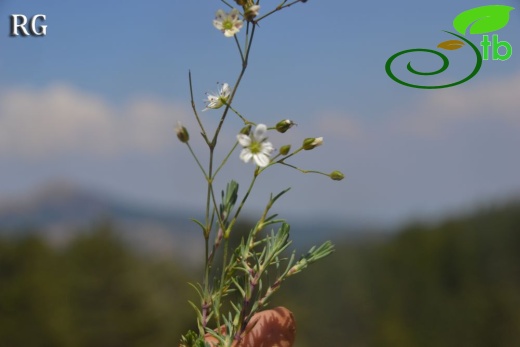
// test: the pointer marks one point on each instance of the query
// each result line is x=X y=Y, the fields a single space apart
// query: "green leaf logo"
x=482 y=20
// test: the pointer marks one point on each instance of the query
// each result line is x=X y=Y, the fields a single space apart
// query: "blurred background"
x=96 y=192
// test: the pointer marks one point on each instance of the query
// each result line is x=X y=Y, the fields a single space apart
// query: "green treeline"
x=455 y=283
x=95 y=292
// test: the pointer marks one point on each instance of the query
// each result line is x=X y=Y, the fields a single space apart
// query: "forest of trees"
x=453 y=283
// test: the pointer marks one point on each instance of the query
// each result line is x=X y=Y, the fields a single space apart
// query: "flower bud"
x=182 y=133
x=311 y=142
x=284 y=125
x=285 y=149
x=337 y=175
x=245 y=130
x=251 y=11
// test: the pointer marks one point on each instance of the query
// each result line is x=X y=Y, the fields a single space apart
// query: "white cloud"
x=432 y=155
x=491 y=100
x=490 y=106
x=440 y=152
x=61 y=119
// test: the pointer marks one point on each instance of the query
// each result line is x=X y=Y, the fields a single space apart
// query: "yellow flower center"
x=223 y=99
x=227 y=25
x=255 y=147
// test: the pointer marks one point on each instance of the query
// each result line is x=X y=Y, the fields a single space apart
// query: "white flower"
x=256 y=146
x=220 y=99
x=228 y=23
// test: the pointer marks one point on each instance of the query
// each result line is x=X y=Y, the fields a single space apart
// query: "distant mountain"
x=60 y=211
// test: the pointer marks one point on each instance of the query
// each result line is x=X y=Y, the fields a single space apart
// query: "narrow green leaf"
x=196 y=308
x=199 y=224
x=235 y=307
x=197 y=289
x=271 y=217
x=280 y=194
x=240 y=289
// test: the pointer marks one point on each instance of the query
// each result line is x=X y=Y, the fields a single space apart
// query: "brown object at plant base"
x=269 y=328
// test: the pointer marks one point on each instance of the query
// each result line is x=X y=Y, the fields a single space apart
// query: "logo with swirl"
x=480 y=21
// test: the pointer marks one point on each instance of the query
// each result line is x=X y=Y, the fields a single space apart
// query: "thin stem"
x=228 y=104
x=278 y=8
x=239 y=49
x=290 y=155
x=225 y=159
x=210 y=194
x=223 y=274
x=225 y=2
x=222 y=226
x=304 y=171
x=219 y=127
x=203 y=131
x=246 y=122
x=242 y=203
x=208 y=228
x=210 y=176
x=250 y=41
x=219 y=217
x=197 y=160
x=223 y=280
x=280 y=161
x=246 y=40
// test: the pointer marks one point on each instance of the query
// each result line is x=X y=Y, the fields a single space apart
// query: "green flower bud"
x=311 y=142
x=285 y=149
x=246 y=130
x=284 y=125
x=182 y=133
x=337 y=175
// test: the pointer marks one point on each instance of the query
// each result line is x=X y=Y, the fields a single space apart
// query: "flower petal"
x=246 y=155
x=244 y=140
x=259 y=133
x=220 y=15
x=267 y=148
x=225 y=91
x=261 y=159
x=234 y=14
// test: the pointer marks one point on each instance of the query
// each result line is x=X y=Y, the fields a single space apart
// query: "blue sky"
x=95 y=102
